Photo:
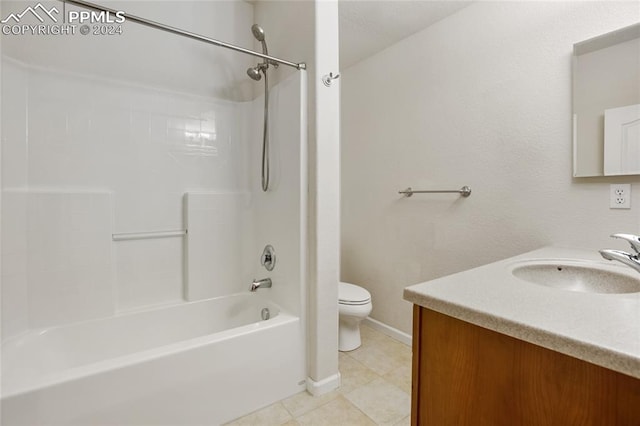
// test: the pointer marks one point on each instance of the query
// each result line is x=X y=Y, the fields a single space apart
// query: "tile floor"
x=376 y=390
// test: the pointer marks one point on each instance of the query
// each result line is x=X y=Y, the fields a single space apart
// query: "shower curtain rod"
x=167 y=28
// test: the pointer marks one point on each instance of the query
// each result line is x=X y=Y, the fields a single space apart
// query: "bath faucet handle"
x=634 y=240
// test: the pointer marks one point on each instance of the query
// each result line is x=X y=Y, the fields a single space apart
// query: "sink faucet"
x=263 y=283
x=632 y=260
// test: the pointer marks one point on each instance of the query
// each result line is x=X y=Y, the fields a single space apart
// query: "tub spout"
x=263 y=283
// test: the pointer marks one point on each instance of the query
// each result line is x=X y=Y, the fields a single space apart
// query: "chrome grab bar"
x=148 y=235
x=465 y=191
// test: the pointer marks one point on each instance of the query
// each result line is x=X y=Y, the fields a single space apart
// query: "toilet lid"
x=349 y=294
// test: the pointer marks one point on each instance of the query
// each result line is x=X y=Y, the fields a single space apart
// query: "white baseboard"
x=394 y=333
x=323 y=386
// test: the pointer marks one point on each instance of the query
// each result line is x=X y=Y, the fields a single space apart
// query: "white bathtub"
x=202 y=363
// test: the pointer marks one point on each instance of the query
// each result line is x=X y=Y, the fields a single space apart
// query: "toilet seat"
x=353 y=295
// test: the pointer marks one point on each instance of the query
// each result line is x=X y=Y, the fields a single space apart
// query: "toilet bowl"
x=354 y=304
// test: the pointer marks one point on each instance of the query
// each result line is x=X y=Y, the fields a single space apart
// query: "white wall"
x=1 y=154
x=307 y=31
x=279 y=215
x=105 y=134
x=149 y=56
x=482 y=98
x=289 y=27
x=326 y=189
x=96 y=148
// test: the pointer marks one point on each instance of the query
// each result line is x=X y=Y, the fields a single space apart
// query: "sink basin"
x=577 y=275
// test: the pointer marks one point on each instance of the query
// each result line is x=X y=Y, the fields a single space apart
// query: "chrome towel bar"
x=465 y=191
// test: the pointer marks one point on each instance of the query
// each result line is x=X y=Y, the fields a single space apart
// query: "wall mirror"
x=606 y=104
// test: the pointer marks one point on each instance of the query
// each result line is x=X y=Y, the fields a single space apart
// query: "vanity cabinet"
x=464 y=374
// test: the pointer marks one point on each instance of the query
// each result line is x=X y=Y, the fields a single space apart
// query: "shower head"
x=258 y=32
x=254 y=73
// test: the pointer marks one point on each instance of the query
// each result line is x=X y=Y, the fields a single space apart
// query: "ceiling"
x=367 y=27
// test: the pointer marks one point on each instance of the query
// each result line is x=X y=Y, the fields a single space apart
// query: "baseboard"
x=394 y=333
x=323 y=386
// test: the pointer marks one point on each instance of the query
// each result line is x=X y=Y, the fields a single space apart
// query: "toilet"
x=354 y=304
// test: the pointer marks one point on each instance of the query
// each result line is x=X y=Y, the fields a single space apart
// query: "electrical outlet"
x=620 y=196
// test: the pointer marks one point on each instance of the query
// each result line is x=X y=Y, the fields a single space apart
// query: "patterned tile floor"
x=376 y=389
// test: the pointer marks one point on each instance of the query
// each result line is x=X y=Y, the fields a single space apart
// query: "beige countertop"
x=603 y=329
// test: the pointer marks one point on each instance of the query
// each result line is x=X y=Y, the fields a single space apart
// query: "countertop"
x=603 y=329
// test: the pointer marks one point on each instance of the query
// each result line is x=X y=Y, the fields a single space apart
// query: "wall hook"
x=327 y=78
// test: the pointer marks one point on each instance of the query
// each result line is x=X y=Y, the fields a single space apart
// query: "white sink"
x=578 y=275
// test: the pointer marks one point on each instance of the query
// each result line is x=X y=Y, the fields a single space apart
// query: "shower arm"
x=194 y=36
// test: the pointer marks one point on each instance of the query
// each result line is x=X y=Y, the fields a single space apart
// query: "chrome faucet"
x=631 y=260
x=263 y=283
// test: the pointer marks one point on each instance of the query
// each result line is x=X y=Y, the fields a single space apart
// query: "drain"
x=265 y=314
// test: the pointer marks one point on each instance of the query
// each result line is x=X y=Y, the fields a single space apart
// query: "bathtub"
x=204 y=362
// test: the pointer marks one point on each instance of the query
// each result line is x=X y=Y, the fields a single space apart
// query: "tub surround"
x=69 y=360
x=602 y=329
x=169 y=365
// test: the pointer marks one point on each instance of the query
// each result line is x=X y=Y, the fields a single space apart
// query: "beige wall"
x=482 y=98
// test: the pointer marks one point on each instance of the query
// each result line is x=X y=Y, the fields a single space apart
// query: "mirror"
x=606 y=104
